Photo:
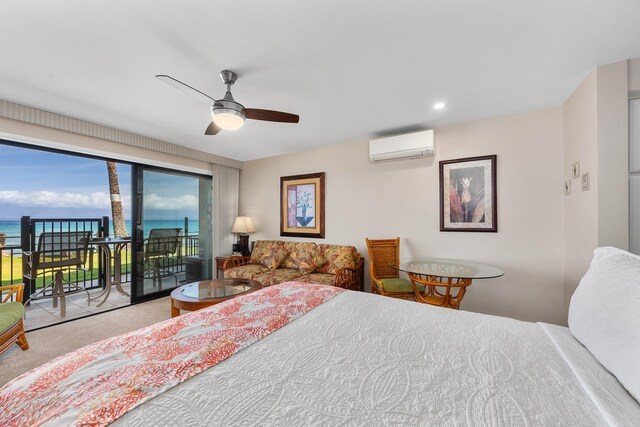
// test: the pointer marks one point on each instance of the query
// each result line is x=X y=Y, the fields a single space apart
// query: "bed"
x=340 y=358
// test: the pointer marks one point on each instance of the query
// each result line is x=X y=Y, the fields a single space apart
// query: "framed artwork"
x=468 y=194
x=302 y=205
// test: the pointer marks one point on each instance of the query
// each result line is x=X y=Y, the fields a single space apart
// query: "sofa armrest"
x=376 y=285
x=236 y=261
x=351 y=278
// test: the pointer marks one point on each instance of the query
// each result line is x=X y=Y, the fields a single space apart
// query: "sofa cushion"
x=335 y=257
x=10 y=313
x=288 y=262
x=274 y=258
x=280 y=275
x=269 y=253
x=245 y=272
x=304 y=256
x=318 y=278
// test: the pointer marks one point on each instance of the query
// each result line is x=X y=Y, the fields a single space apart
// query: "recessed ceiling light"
x=438 y=106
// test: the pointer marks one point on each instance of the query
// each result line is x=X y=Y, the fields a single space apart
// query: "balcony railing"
x=11 y=265
x=92 y=275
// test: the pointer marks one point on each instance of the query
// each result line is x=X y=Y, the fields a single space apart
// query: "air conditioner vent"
x=401 y=147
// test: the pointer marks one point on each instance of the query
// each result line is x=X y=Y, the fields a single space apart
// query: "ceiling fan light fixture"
x=226 y=113
x=227 y=118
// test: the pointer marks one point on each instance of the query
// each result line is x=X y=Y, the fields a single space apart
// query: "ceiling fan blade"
x=271 y=116
x=186 y=88
x=212 y=129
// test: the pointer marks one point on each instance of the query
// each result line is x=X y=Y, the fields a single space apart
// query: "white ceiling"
x=351 y=69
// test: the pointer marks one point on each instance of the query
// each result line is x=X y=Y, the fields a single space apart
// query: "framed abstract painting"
x=468 y=199
x=302 y=205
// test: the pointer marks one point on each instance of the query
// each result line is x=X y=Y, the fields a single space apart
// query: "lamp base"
x=243 y=241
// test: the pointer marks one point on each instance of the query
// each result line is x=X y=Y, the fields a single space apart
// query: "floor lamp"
x=243 y=225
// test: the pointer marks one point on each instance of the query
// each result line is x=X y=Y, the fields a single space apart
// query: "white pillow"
x=604 y=314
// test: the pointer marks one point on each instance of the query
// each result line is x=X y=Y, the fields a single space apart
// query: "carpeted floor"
x=49 y=343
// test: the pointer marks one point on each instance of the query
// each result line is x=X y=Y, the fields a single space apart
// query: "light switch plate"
x=575 y=169
x=567 y=187
x=585 y=181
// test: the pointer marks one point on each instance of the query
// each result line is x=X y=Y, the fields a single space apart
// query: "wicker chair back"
x=385 y=254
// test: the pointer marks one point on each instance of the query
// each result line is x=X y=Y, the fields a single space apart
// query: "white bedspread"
x=361 y=359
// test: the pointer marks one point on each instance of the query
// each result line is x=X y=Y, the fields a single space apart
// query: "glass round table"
x=443 y=282
x=206 y=293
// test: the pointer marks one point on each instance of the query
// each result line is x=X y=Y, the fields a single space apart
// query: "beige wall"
x=613 y=156
x=401 y=199
x=633 y=78
x=595 y=127
x=580 y=118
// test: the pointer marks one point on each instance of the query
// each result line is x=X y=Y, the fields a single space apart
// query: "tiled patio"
x=41 y=312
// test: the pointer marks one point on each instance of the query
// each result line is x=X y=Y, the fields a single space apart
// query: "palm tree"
x=119 y=227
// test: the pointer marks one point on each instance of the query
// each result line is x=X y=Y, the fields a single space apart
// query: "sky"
x=44 y=184
x=163 y=193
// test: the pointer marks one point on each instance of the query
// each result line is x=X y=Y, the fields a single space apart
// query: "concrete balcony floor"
x=42 y=313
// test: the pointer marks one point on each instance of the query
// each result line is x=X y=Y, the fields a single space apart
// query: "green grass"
x=8 y=278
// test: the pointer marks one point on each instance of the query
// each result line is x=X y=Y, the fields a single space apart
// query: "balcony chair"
x=11 y=314
x=161 y=244
x=384 y=260
x=57 y=252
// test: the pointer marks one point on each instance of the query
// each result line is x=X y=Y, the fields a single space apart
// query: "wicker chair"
x=384 y=260
x=11 y=314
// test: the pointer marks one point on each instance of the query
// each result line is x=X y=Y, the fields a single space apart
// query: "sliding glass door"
x=634 y=176
x=173 y=236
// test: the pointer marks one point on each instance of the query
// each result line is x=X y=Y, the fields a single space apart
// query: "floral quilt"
x=96 y=384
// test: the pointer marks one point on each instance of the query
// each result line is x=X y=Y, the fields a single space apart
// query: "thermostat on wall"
x=585 y=181
x=575 y=169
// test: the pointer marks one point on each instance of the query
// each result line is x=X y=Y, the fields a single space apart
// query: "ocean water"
x=11 y=228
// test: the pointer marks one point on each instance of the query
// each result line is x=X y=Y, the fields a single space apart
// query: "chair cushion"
x=335 y=257
x=318 y=278
x=10 y=313
x=264 y=250
x=400 y=285
x=304 y=256
x=604 y=314
x=280 y=275
x=248 y=271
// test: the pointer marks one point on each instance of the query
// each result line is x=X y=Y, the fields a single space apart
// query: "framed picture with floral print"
x=302 y=205
x=468 y=194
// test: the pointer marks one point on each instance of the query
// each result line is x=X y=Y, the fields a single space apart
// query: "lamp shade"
x=228 y=119
x=243 y=224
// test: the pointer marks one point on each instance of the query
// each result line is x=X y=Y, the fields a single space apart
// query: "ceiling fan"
x=226 y=112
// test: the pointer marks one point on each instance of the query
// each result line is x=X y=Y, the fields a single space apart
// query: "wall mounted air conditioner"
x=401 y=147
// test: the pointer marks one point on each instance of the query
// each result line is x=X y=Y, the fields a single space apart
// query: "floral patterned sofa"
x=274 y=261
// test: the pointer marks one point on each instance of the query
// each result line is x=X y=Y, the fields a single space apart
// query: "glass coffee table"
x=206 y=293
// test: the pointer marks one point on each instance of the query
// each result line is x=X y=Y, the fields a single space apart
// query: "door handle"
x=139 y=239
